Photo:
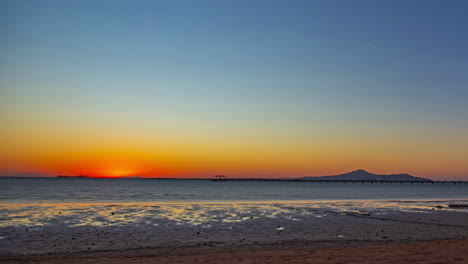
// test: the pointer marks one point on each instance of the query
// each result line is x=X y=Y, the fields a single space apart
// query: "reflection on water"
x=204 y=214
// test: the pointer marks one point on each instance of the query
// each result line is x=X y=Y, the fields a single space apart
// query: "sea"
x=34 y=202
x=99 y=190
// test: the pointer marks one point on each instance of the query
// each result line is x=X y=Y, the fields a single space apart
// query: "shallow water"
x=194 y=214
x=120 y=202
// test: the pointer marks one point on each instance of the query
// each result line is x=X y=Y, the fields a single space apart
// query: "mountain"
x=362 y=175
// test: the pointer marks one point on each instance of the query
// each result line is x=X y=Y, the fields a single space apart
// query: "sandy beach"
x=244 y=233
x=443 y=251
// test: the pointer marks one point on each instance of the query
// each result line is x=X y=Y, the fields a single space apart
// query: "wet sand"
x=446 y=251
x=292 y=233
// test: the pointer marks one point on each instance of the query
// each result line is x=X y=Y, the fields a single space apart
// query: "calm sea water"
x=58 y=203
x=55 y=190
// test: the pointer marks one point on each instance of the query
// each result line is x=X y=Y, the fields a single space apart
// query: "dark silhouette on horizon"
x=362 y=175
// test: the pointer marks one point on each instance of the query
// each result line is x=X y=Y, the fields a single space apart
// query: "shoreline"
x=241 y=202
x=233 y=227
x=116 y=233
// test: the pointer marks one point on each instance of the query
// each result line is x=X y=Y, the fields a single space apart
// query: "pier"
x=225 y=179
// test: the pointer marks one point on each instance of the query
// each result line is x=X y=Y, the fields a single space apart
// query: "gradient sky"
x=241 y=88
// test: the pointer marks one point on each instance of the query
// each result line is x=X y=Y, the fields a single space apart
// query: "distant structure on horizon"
x=362 y=175
x=354 y=176
x=75 y=176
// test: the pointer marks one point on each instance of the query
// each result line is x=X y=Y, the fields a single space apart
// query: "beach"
x=236 y=233
x=444 y=251
x=187 y=221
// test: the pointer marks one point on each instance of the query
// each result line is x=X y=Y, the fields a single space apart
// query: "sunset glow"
x=159 y=90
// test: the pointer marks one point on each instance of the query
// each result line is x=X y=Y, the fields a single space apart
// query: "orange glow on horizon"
x=177 y=157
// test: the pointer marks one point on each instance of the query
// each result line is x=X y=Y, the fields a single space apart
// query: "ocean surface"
x=57 y=190
x=39 y=202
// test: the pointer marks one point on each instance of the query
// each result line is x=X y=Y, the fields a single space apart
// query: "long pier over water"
x=225 y=179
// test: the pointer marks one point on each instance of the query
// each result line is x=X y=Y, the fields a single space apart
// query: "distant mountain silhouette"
x=362 y=175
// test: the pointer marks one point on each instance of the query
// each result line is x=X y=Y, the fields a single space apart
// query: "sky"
x=241 y=88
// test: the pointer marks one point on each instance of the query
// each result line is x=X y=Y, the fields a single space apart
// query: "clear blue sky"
x=394 y=72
